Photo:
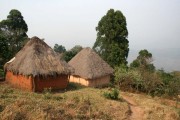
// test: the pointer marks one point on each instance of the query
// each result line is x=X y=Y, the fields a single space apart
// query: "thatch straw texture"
x=89 y=65
x=37 y=58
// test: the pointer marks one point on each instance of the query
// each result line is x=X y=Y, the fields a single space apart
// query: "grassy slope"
x=85 y=103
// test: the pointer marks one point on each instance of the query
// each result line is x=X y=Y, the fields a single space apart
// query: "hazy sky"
x=152 y=24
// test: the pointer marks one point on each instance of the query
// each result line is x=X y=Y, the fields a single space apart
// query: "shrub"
x=128 y=79
x=74 y=86
x=171 y=83
x=152 y=84
x=139 y=80
x=112 y=94
x=172 y=89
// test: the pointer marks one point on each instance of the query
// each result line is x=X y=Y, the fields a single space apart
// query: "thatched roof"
x=37 y=58
x=89 y=65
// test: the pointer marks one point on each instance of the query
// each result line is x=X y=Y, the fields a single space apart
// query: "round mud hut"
x=90 y=69
x=36 y=67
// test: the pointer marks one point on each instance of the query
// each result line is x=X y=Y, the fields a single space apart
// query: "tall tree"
x=59 y=48
x=111 y=43
x=14 y=29
x=12 y=35
x=143 y=61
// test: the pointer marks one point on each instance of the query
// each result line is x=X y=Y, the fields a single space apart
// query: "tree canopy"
x=59 y=48
x=143 y=61
x=111 y=43
x=68 y=55
x=12 y=34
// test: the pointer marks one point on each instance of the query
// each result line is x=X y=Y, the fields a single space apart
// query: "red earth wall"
x=102 y=81
x=58 y=82
x=23 y=82
x=19 y=81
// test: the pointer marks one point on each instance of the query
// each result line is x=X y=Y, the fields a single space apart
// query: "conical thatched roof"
x=89 y=65
x=37 y=58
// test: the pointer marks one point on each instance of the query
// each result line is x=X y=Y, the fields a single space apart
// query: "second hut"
x=36 y=67
x=90 y=69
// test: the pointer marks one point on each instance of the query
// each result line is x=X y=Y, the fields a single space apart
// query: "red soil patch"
x=137 y=111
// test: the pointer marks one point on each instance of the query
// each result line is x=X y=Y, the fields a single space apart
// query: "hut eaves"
x=37 y=58
x=89 y=65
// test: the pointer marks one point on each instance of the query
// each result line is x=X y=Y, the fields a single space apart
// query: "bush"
x=74 y=86
x=128 y=79
x=135 y=80
x=173 y=88
x=1 y=73
x=112 y=94
x=171 y=83
x=153 y=83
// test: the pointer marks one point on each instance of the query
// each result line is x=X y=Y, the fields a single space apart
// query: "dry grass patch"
x=82 y=104
x=153 y=108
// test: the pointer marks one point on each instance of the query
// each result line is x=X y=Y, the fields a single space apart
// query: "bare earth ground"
x=137 y=113
x=145 y=107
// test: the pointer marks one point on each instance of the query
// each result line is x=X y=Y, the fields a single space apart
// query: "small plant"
x=112 y=94
x=3 y=96
x=178 y=110
x=7 y=91
x=19 y=116
x=47 y=93
x=1 y=108
x=76 y=99
x=64 y=96
x=58 y=98
x=74 y=86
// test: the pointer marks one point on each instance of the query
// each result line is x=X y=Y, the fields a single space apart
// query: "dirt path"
x=137 y=112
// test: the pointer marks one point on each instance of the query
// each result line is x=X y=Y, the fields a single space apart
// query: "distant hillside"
x=168 y=59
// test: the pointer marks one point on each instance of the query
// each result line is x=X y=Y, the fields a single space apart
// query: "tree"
x=111 y=43
x=76 y=49
x=143 y=61
x=59 y=48
x=3 y=49
x=4 y=54
x=13 y=31
x=68 y=55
